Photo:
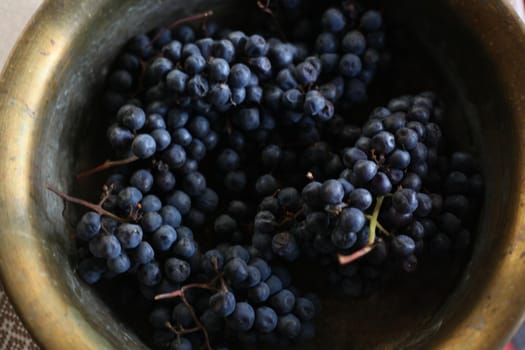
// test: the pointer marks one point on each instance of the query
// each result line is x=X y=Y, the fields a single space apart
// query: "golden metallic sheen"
x=48 y=99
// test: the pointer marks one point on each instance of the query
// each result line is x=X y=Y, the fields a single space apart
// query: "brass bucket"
x=48 y=119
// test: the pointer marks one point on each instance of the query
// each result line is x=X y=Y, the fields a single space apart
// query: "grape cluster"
x=239 y=154
x=245 y=301
x=394 y=194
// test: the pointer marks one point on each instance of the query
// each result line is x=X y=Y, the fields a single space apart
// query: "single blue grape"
x=119 y=264
x=405 y=200
x=331 y=192
x=304 y=309
x=354 y=42
x=129 y=235
x=223 y=303
x=143 y=146
x=289 y=326
x=164 y=237
x=105 y=246
x=255 y=46
x=239 y=76
x=224 y=49
x=283 y=302
x=350 y=65
x=242 y=318
x=194 y=183
x=218 y=70
x=185 y=248
x=180 y=200
x=144 y=253
x=149 y=274
x=89 y=226
x=265 y=319
x=177 y=270
x=171 y=216
x=236 y=270
x=132 y=117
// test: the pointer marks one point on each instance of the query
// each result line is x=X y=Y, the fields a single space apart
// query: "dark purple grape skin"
x=265 y=319
x=242 y=318
x=105 y=246
x=352 y=220
x=283 y=302
x=403 y=245
x=405 y=201
x=365 y=170
x=129 y=235
x=259 y=293
x=289 y=326
x=177 y=270
x=88 y=226
x=223 y=303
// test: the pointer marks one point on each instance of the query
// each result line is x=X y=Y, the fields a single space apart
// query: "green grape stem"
x=373 y=220
x=372 y=240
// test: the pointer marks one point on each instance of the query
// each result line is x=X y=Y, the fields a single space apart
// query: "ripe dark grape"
x=265 y=319
x=129 y=235
x=242 y=318
x=105 y=246
x=177 y=270
x=88 y=226
x=223 y=303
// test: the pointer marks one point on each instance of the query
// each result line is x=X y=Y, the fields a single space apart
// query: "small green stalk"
x=373 y=220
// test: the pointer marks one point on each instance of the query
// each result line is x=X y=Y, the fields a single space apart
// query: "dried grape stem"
x=181 y=294
x=197 y=322
x=347 y=259
x=183 y=289
x=94 y=207
x=106 y=165
x=182 y=330
x=265 y=7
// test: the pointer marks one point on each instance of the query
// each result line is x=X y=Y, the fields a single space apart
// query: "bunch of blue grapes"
x=237 y=156
x=395 y=198
x=245 y=301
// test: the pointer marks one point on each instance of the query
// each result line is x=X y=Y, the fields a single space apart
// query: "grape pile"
x=239 y=154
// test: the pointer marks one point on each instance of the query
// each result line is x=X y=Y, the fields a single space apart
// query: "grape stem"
x=197 y=322
x=106 y=165
x=380 y=227
x=181 y=331
x=95 y=207
x=373 y=220
x=265 y=7
x=181 y=294
x=347 y=259
x=372 y=241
